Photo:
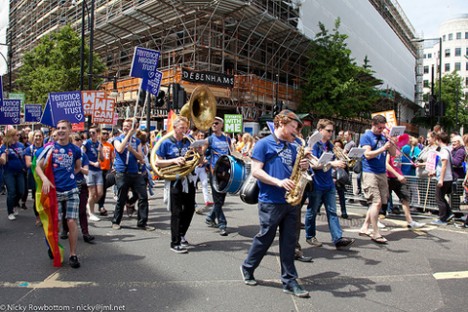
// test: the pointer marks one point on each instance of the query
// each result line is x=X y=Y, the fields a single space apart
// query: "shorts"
x=70 y=200
x=94 y=178
x=400 y=189
x=375 y=187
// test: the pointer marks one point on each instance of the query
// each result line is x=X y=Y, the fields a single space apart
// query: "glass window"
x=443 y=38
x=457 y=66
x=466 y=66
x=458 y=35
x=450 y=37
x=426 y=69
x=466 y=35
x=426 y=83
x=429 y=55
x=447 y=67
x=447 y=52
x=466 y=81
x=457 y=51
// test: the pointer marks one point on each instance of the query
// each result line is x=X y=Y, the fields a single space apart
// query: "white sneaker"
x=380 y=225
x=93 y=217
x=11 y=217
x=15 y=211
x=415 y=225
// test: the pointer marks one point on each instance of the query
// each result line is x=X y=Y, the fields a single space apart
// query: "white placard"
x=397 y=130
x=356 y=152
x=325 y=158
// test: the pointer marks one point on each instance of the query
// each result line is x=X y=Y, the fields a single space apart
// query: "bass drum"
x=229 y=174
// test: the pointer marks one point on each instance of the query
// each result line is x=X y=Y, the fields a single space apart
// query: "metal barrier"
x=418 y=189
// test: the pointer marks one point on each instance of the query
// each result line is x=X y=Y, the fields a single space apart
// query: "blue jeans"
x=316 y=199
x=271 y=216
x=15 y=185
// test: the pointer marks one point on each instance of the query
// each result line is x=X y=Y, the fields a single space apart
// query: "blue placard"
x=1 y=91
x=144 y=63
x=32 y=112
x=153 y=84
x=47 y=118
x=66 y=106
x=10 y=112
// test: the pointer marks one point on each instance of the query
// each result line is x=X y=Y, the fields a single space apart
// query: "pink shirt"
x=395 y=163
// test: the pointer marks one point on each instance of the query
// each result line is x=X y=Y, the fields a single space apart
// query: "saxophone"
x=300 y=177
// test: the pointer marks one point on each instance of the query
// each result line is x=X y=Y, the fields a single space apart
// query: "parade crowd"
x=86 y=165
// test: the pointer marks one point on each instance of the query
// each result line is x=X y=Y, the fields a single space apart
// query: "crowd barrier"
x=422 y=197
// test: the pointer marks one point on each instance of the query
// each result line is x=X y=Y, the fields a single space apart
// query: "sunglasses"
x=92 y=132
x=328 y=130
x=105 y=133
x=78 y=139
x=215 y=123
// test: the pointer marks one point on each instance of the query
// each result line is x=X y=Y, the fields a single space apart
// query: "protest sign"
x=233 y=123
x=10 y=112
x=390 y=116
x=32 y=112
x=144 y=66
x=63 y=106
x=89 y=100
x=152 y=85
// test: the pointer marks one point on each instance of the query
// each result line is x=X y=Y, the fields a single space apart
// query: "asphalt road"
x=134 y=270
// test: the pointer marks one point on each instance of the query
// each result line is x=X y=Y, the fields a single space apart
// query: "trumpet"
x=341 y=155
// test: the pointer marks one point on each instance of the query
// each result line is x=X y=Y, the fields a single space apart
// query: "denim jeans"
x=124 y=182
x=15 y=185
x=216 y=212
x=316 y=199
x=271 y=217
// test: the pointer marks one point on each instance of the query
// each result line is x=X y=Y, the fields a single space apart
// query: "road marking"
x=450 y=275
x=50 y=282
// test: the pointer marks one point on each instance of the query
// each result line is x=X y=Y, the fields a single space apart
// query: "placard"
x=32 y=112
x=153 y=84
x=66 y=106
x=397 y=131
x=431 y=161
x=390 y=116
x=144 y=63
x=10 y=112
x=233 y=123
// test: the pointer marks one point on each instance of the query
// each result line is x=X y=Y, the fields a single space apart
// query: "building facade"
x=262 y=44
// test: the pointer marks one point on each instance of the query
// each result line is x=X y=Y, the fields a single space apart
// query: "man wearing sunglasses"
x=218 y=145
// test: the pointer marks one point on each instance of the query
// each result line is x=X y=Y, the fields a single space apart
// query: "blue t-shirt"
x=92 y=151
x=406 y=167
x=171 y=148
x=30 y=151
x=279 y=167
x=84 y=162
x=322 y=180
x=126 y=161
x=15 y=159
x=218 y=146
x=377 y=164
x=64 y=158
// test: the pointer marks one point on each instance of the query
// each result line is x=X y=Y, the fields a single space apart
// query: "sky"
x=425 y=16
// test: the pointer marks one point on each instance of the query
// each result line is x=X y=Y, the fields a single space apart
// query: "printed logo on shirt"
x=63 y=159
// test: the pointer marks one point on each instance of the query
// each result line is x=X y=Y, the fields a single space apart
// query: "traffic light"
x=160 y=99
x=178 y=96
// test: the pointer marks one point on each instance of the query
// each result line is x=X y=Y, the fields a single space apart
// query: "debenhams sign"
x=208 y=77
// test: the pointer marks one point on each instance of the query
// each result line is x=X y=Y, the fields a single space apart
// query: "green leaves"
x=336 y=85
x=54 y=66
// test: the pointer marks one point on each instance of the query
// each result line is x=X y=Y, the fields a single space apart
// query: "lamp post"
x=439 y=113
x=8 y=63
x=90 y=12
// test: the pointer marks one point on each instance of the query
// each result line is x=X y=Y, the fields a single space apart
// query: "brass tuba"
x=341 y=155
x=300 y=177
x=201 y=110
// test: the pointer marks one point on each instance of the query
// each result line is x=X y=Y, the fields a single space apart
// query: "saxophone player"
x=273 y=158
x=325 y=192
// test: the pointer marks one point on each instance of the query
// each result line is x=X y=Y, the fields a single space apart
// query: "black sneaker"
x=297 y=291
x=74 y=263
x=248 y=277
x=88 y=238
x=450 y=218
x=344 y=243
x=183 y=242
x=179 y=249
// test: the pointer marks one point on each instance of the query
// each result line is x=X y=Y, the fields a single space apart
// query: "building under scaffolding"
x=257 y=42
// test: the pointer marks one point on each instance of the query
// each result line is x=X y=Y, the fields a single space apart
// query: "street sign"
x=233 y=123
x=32 y=112
x=10 y=112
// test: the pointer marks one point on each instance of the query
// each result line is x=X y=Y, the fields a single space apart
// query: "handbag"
x=358 y=166
x=342 y=176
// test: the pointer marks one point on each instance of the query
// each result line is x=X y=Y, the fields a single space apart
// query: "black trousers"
x=444 y=208
x=182 y=210
x=135 y=182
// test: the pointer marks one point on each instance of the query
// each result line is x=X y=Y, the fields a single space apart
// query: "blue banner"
x=47 y=118
x=66 y=106
x=32 y=112
x=144 y=63
x=10 y=112
x=1 y=91
x=153 y=84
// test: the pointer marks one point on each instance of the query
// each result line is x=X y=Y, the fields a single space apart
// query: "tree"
x=54 y=66
x=335 y=85
x=454 y=104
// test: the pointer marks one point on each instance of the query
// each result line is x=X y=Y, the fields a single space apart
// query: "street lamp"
x=8 y=63
x=90 y=13
x=440 y=72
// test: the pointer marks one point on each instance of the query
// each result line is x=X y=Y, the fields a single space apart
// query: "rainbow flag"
x=170 y=118
x=47 y=206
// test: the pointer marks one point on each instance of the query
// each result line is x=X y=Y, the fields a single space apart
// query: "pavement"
x=134 y=270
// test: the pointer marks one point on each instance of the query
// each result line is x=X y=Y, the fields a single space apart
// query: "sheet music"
x=325 y=158
x=199 y=143
x=314 y=138
x=356 y=152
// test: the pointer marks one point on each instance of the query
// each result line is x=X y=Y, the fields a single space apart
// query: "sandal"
x=379 y=240
x=366 y=234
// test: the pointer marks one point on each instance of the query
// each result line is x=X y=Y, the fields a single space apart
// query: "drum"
x=229 y=174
